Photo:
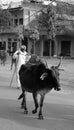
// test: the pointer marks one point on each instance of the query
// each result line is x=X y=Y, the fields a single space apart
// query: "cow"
x=38 y=79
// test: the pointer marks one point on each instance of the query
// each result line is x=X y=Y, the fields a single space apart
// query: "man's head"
x=23 y=48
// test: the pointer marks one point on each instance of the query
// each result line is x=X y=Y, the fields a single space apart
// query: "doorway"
x=65 y=48
x=48 y=48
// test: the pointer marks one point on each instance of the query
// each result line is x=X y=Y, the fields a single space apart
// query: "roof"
x=11 y=5
x=4 y=6
x=15 y=4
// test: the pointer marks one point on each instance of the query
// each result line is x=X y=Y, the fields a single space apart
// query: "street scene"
x=36 y=64
x=58 y=107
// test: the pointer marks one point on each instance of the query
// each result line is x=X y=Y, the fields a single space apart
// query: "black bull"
x=37 y=79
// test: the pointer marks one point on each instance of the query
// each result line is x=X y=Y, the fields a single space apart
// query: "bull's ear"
x=43 y=76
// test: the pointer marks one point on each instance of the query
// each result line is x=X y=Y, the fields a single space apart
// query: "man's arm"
x=15 y=55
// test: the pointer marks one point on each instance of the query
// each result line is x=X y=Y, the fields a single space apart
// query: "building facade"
x=10 y=36
x=23 y=18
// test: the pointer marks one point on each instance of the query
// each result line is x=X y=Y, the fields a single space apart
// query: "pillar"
x=55 y=48
x=50 y=48
x=41 y=53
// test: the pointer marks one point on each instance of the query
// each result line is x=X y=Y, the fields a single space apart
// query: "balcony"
x=11 y=30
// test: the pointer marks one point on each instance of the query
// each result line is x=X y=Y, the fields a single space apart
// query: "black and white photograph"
x=36 y=64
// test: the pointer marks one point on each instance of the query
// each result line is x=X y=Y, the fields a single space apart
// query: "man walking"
x=21 y=57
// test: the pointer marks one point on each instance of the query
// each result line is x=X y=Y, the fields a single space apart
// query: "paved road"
x=58 y=108
x=58 y=111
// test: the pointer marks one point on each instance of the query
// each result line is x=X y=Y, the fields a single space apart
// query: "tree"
x=57 y=20
x=64 y=22
x=52 y=22
x=47 y=20
x=34 y=35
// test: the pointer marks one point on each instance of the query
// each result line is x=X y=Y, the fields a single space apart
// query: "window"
x=11 y=22
x=0 y=45
x=15 y=22
x=4 y=45
x=21 y=21
x=15 y=39
x=9 y=44
x=9 y=39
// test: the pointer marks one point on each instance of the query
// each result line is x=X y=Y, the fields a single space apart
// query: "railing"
x=9 y=29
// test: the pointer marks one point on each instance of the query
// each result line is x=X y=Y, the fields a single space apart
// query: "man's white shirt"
x=20 y=58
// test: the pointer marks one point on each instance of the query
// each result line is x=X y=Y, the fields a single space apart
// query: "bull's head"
x=50 y=78
x=55 y=76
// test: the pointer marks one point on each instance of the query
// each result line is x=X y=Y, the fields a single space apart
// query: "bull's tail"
x=21 y=96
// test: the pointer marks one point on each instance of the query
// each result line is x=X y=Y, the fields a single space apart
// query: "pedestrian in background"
x=21 y=57
x=3 y=56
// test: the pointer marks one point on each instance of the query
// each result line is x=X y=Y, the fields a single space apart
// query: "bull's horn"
x=59 y=63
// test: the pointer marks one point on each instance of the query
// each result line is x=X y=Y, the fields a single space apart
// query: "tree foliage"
x=65 y=8
x=47 y=20
x=56 y=18
x=34 y=34
x=64 y=21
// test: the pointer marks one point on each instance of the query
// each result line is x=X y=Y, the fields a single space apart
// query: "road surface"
x=58 y=107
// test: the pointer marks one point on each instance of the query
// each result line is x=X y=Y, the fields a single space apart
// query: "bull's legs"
x=23 y=104
x=36 y=103
x=41 y=105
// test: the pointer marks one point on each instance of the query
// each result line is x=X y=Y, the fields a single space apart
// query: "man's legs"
x=17 y=80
